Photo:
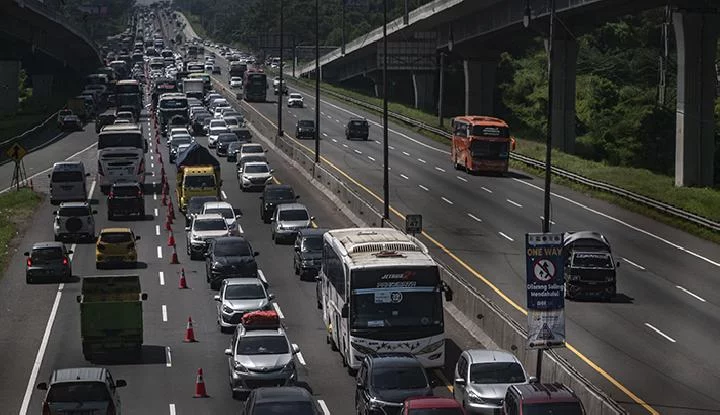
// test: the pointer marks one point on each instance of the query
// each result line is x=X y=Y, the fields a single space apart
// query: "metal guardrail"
x=660 y=206
x=17 y=138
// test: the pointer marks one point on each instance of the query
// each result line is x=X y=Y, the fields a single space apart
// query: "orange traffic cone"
x=174 y=257
x=162 y=172
x=169 y=218
x=200 y=391
x=164 y=196
x=189 y=332
x=171 y=239
x=171 y=211
x=183 y=281
x=157 y=150
x=168 y=225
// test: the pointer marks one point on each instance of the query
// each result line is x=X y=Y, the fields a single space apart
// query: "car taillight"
x=46 y=409
x=111 y=195
x=29 y=262
x=65 y=261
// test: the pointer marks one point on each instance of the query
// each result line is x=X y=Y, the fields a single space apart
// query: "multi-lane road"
x=652 y=348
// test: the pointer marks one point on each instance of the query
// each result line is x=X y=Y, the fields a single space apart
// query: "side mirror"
x=318 y=278
x=137 y=238
x=261 y=197
x=297 y=248
x=359 y=384
x=312 y=217
x=26 y=253
x=344 y=311
x=120 y=383
x=187 y=229
x=78 y=298
x=295 y=349
x=238 y=217
x=70 y=251
x=271 y=297
x=460 y=381
x=272 y=170
x=143 y=296
x=228 y=352
x=297 y=196
x=94 y=212
x=256 y=253
x=532 y=379
x=448 y=295
x=87 y=174
x=217 y=298
x=42 y=386
x=54 y=212
x=617 y=265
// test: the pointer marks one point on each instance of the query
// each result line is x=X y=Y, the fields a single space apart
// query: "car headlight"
x=375 y=404
x=474 y=397
x=246 y=178
x=196 y=238
x=238 y=367
x=269 y=178
x=431 y=347
x=290 y=367
x=227 y=310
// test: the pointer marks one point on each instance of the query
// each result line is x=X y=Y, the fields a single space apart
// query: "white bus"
x=120 y=155
x=382 y=292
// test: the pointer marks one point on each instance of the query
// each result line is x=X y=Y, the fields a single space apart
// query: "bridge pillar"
x=42 y=85
x=697 y=36
x=564 y=67
x=9 y=88
x=479 y=86
x=424 y=90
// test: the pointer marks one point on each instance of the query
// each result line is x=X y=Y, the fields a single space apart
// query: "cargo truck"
x=198 y=174
x=111 y=316
x=194 y=88
x=590 y=269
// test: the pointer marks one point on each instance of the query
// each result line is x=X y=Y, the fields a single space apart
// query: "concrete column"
x=697 y=36
x=479 y=87
x=564 y=67
x=9 y=89
x=424 y=90
x=42 y=85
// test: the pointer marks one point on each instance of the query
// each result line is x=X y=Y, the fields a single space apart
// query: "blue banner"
x=545 y=268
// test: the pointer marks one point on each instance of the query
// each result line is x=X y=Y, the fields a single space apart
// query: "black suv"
x=195 y=207
x=90 y=388
x=305 y=129
x=357 y=128
x=126 y=198
x=308 y=252
x=385 y=380
x=281 y=400
x=229 y=257
x=273 y=195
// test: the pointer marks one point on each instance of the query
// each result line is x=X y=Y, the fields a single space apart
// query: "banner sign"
x=545 y=265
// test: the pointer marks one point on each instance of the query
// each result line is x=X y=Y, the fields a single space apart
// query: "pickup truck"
x=590 y=269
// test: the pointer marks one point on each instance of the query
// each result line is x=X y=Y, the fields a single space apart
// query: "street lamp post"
x=280 y=87
x=317 y=81
x=386 y=167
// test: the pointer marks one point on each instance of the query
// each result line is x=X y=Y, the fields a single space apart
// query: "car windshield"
x=244 y=292
x=126 y=191
x=358 y=124
x=306 y=123
x=218 y=123
x=200 y=181
x=243 y=133
x=279 y=194
x=312 y=244
x=553 y=408
x=256 y=168
x=233 y=247
x=46 y=254
x=227 y=138
x=78 y=392
x=73 y=211
x=282 y=408
x=226 y=213
x=399 y=377
x=592 y=260
x=252 y=149
x=210 y=225
x=436 y=411
x=231 y=121
x=255 y=345
x=295 y=96
x=67 y=176
x=295 y=214
x=496 y=372
x=196 y=204
x=183 y=139
x=116 y=237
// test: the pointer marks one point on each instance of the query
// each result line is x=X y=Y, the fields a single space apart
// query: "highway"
x=650 y=349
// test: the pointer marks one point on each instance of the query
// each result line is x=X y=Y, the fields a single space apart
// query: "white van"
x=67 y=182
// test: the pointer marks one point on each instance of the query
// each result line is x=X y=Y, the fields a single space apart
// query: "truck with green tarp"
x=111 y=316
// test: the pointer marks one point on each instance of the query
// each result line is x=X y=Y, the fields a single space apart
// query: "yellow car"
x=116 y=246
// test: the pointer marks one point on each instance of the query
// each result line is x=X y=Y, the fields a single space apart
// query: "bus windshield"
x=124 y=139
x=490 y=149
x=173 y=103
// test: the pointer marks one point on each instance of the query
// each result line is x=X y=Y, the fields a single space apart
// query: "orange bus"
x=481 y=144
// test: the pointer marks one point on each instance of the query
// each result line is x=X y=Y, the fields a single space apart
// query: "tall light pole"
x=317 y=81
x=386 y=167
x=280 y=87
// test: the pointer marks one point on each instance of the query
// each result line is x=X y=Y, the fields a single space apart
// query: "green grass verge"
x=700 y=201
x=11 y=126
x=16 y=209
x=194 y=21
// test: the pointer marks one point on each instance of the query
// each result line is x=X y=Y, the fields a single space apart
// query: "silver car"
x=288 y=219
x=239 y=296
x=74 y=221
x=482 y=378
x=255 y=175
x=260 y=357
x=202 y=229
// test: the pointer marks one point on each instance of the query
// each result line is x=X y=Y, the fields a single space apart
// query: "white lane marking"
x=391 y=147
x=159 y=252
x=345 y=145
x=638 y=266
x=404 y=177
x=337 y=120
x=164 y=312
x=321 y=112
x=152 y=165
x=334 y=139
x=658 y=331
x=439 y=169
x=161 y=276
x=371 y=158
x=262 y=276
x=423 y=187
x=157 y=230
x=299 y=356
x=422 y=161
x=168 y=358
x=513 y=203
x=406 y=153
x=551 y=221
x=324 y=407
x=462 y=178
x=474 y=217
x=376 y=141
x=294 y=115
x=357 y=151
x=329 y=117
x=154 y=196
x=446 y=200
x=224 y=196
x=172 y=409
x=156 y=212
x=690 y=293
x=278 y=311
x=486 y=189
x=506 y=237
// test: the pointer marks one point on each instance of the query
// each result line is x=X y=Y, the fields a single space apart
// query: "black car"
x=357 y=128
x=126 y=198
x=281 y=400
x=103 y=120
x=198 y=122
x=385 y=380
x=244 y=135
x=195 y=206
x=308 y=252
x=232 y=151
x=229 y=257
x=223 y=142
x=305 y=129
x=273 y=195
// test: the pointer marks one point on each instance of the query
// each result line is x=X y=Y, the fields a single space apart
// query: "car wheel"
x=28 y=279
x=98 y=265
x=295 y=268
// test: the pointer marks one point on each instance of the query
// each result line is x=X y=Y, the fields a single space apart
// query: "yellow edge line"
x=479 y=276
x=445 y=380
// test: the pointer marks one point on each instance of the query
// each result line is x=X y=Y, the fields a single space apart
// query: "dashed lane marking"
x=506 y=237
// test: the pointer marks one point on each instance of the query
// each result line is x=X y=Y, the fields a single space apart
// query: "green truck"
x=111 y=316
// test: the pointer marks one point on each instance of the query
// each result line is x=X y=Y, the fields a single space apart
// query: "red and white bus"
x=481 y=144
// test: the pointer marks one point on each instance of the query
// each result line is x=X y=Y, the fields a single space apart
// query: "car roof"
x=74 y=204
x=252 y=145
x=126 y=184
x=490 y=356
x=217 y=205
x=312 y=232
x=544 y=392
x=256 y=163
x=242 y=281
x=278 y=186
x=209 y=216
x=393 y=360
x=262 y=332
x=91 y=374
x=116 y=230
x=51 y=244
x=281 y=394
x=429 y=402
x=206 y=198
x=291 y=206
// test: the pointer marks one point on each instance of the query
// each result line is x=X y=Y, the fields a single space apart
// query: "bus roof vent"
x=389 y=254
x=385 y=248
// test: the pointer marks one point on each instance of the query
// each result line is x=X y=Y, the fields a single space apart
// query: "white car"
x=204 y=227
x=209 y=67
x=219 y=111
x=216 y=127
x=255 y=174
x=295 y=100
x=276 y=81
x=236 y=82
x=74 y=221
x=250 y=148
x=225 y=210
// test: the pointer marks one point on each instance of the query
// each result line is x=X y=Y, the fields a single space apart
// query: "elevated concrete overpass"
x=477 y=31
x=46 y=44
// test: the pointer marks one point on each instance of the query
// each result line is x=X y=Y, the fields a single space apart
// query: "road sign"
x=413 y=224
x=545 y=290
x=16 y=152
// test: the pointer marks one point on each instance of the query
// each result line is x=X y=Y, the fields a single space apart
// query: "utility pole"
x=386 y=167
x=280 y=87
x=317 y=81
x=342 y=29
x=442 y=89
